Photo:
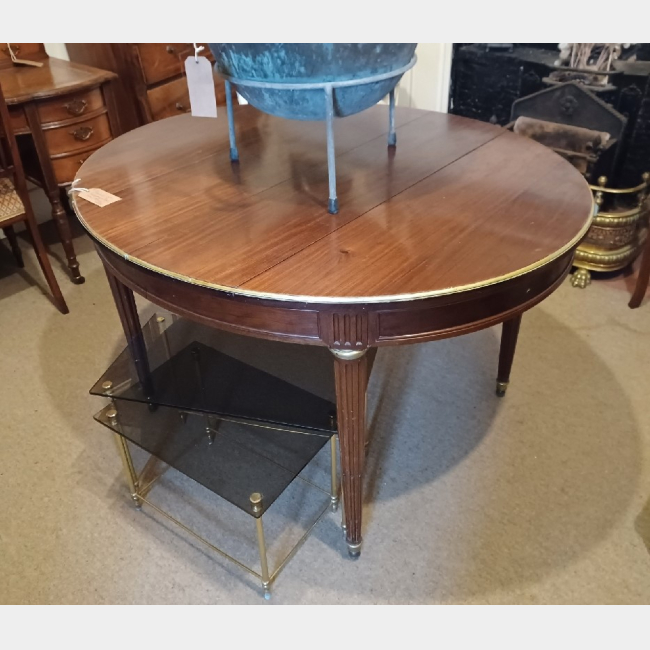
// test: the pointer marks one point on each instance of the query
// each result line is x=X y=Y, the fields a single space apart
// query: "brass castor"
x=581 y=278
x=354 y=550
x=502 y=386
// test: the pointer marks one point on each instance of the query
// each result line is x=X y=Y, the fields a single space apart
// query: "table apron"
x=476 y=310
x=344 y=326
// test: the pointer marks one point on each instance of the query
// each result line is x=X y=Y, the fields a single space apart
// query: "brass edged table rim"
x=400 y=297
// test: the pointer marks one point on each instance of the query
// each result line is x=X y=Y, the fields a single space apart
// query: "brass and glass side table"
x=237 y=430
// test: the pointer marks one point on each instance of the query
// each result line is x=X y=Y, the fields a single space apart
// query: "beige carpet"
x=542 y=497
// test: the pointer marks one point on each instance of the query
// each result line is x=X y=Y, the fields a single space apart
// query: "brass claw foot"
x=581 y=278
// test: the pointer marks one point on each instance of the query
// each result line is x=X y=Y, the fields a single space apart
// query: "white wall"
x=427 y=84
x=57 y=50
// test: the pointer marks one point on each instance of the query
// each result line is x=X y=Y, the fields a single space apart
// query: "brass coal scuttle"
x=618 y=232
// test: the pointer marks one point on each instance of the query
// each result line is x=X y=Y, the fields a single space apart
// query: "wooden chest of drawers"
x=63 y=102
x=151 y=77
x=61 y=112
x=73 y=126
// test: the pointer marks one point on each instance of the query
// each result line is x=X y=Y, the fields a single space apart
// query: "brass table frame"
x=139 y=490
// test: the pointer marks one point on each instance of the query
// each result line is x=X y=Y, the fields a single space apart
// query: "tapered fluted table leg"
x=509 y=334
x=126 y=308
x=351 y=377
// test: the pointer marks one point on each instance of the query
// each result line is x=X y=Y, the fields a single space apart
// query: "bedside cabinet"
x=61 y=112
x=151 y=81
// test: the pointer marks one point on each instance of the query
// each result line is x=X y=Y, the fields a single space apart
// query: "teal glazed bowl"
x=309 y=63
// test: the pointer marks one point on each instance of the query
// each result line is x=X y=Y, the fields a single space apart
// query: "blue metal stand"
x=328 y=87
x=234 y=154
x=392 y=136
x=333 y=203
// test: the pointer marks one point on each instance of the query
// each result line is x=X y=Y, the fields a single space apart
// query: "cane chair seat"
x=10 y=204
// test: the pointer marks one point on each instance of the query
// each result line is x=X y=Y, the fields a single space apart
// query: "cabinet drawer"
x=18 y=119
x=67 y=139
x=172 y=98
x=161 y=61
x=65 y=108
x=65 y=169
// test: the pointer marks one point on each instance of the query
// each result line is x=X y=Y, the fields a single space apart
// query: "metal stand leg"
x=333 y=205
x=392 y=136
x=334 y=498
x=162 y=331
x=127 y=461
x=210 y=430
x=256 y=502
x=234 y=154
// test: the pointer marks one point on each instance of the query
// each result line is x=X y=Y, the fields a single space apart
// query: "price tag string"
x=73 y=187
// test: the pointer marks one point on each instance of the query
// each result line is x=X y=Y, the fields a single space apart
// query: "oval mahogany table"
x=462 y=226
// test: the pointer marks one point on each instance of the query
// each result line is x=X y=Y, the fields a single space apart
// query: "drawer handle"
x=82 y=133
x=170 y=49
x=76 y=106
x=180 y=107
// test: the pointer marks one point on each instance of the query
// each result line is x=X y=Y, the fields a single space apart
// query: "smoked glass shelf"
x=231 y=459
x=189 y=374
x=215 y=411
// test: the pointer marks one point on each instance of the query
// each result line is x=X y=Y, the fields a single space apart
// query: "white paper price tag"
x=98 y=197
x=200 y=82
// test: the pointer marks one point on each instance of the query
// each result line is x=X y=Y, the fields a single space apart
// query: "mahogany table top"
x=459 y=204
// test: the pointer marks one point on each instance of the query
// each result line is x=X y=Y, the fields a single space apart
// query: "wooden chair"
x=15 y=205
x=644 y=271
x=643 y=277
